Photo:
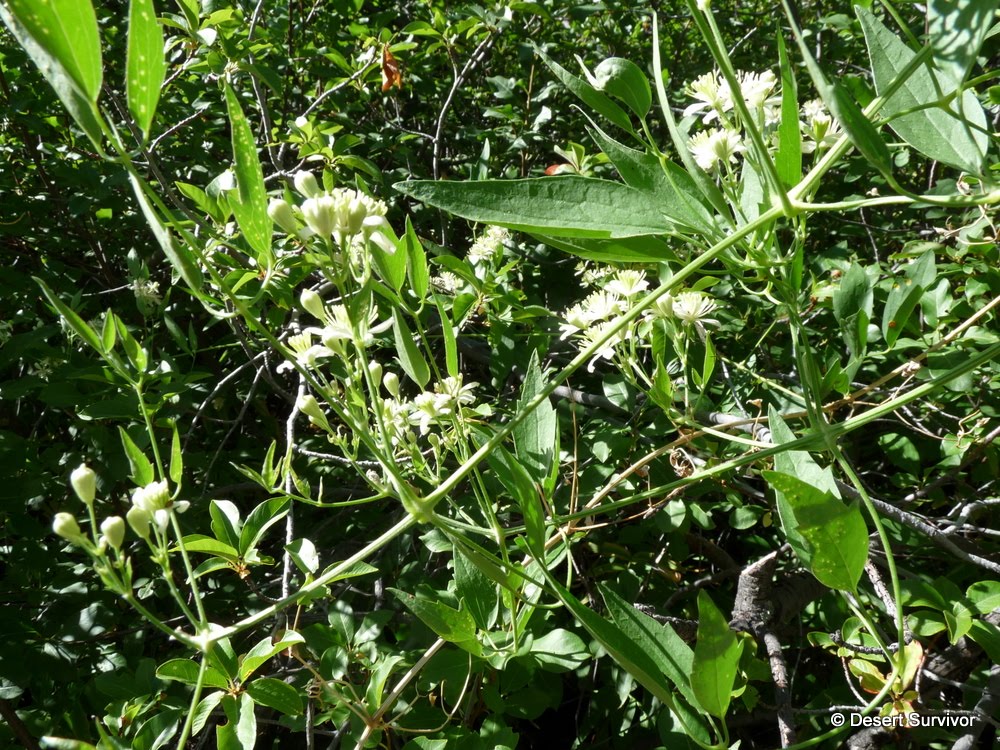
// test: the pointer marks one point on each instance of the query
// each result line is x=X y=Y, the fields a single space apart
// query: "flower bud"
x=113 y=529
x=320 y=214
x=305 y=183
x=309 y=406
x=84 y=482
x=313 y=304
x=162 y=519
x=375 y=370
x=65 y=525
x=138 y=519
x=281 y=214
x=391 y=383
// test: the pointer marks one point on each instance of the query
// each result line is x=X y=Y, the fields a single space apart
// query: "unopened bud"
x=281 y=214
x=313 y=304
x=113 y=529
x=84 y=482
x=320 y=214
x=305 y=183
x=391 y=383
x=138 y=519
x=375 y=370
x=309 y=406
x=65 y=525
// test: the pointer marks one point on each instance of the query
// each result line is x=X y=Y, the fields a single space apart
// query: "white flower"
x=819 y=128
x=712 y=147
x=693 y=308
x=713 y=95
x=628 y=283
x=147 y=291
x=455 y=390
x=607 y=349
x=84 y=482
x=486 y=246
x=428 y=408
x=576 y=320
x=447 y=282
x=153 y=497
x=756 y=87
x=602 y=305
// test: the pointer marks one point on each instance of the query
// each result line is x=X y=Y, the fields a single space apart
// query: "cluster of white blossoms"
x=343 y=215
x=590 y=320
x=720 y=144
x=338 y=329
x=487 y=245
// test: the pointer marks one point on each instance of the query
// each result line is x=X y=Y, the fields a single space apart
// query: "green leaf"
x=412 y=361
x=176 y=457
x=203 y=712
x=264 y=650
x=67 y=31
x=956 y=31
x=74 y=96
x=559 y=650
x=836 y=534
x=275 y=694
x=452 y=625
x=854 y=294
x=304 y=555
x=675 y=192
x=629 y=655
x=62 y=743
x=518 y=482
x=625 y=81
x=955 y=134
x=81 y=328
x=145 y=66
x=260 y=520
x=249 y=202
x=416 y=258
x=645 y=249
x=186 y=671
x=568 y=206
x=475 y=590
x=109 y=331
x=180 y=256
x=788 y=160
x=985 y=595
x=672 y=656
x=590 y=96
x=987 y=635
x=536 y=437
x=859 y=128
x=716 y=658
x=903 y=297
x=450 y=342
x=392 y=266
x=208 y=545
x=141 y=467
x=226 y=523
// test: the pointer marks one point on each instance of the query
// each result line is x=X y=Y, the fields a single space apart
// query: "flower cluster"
x=343 y=215
x=718 y=146
x=591 y=319
x=150 y=504
x=488 y=245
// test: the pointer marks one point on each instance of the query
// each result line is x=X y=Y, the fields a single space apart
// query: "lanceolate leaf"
x=410 y=358
x=716 y=658
x=145 y=65
x=644 y=249
x=956 y=31
x=955 y=135
x=74 y=96
x=674 y=190
x=788 y=160
x=249 y=202
x=535 y=437
x=67 y=31
x=836 y=535
x=558 y=206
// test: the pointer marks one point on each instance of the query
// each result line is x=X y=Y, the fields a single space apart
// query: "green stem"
x=195 y=699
